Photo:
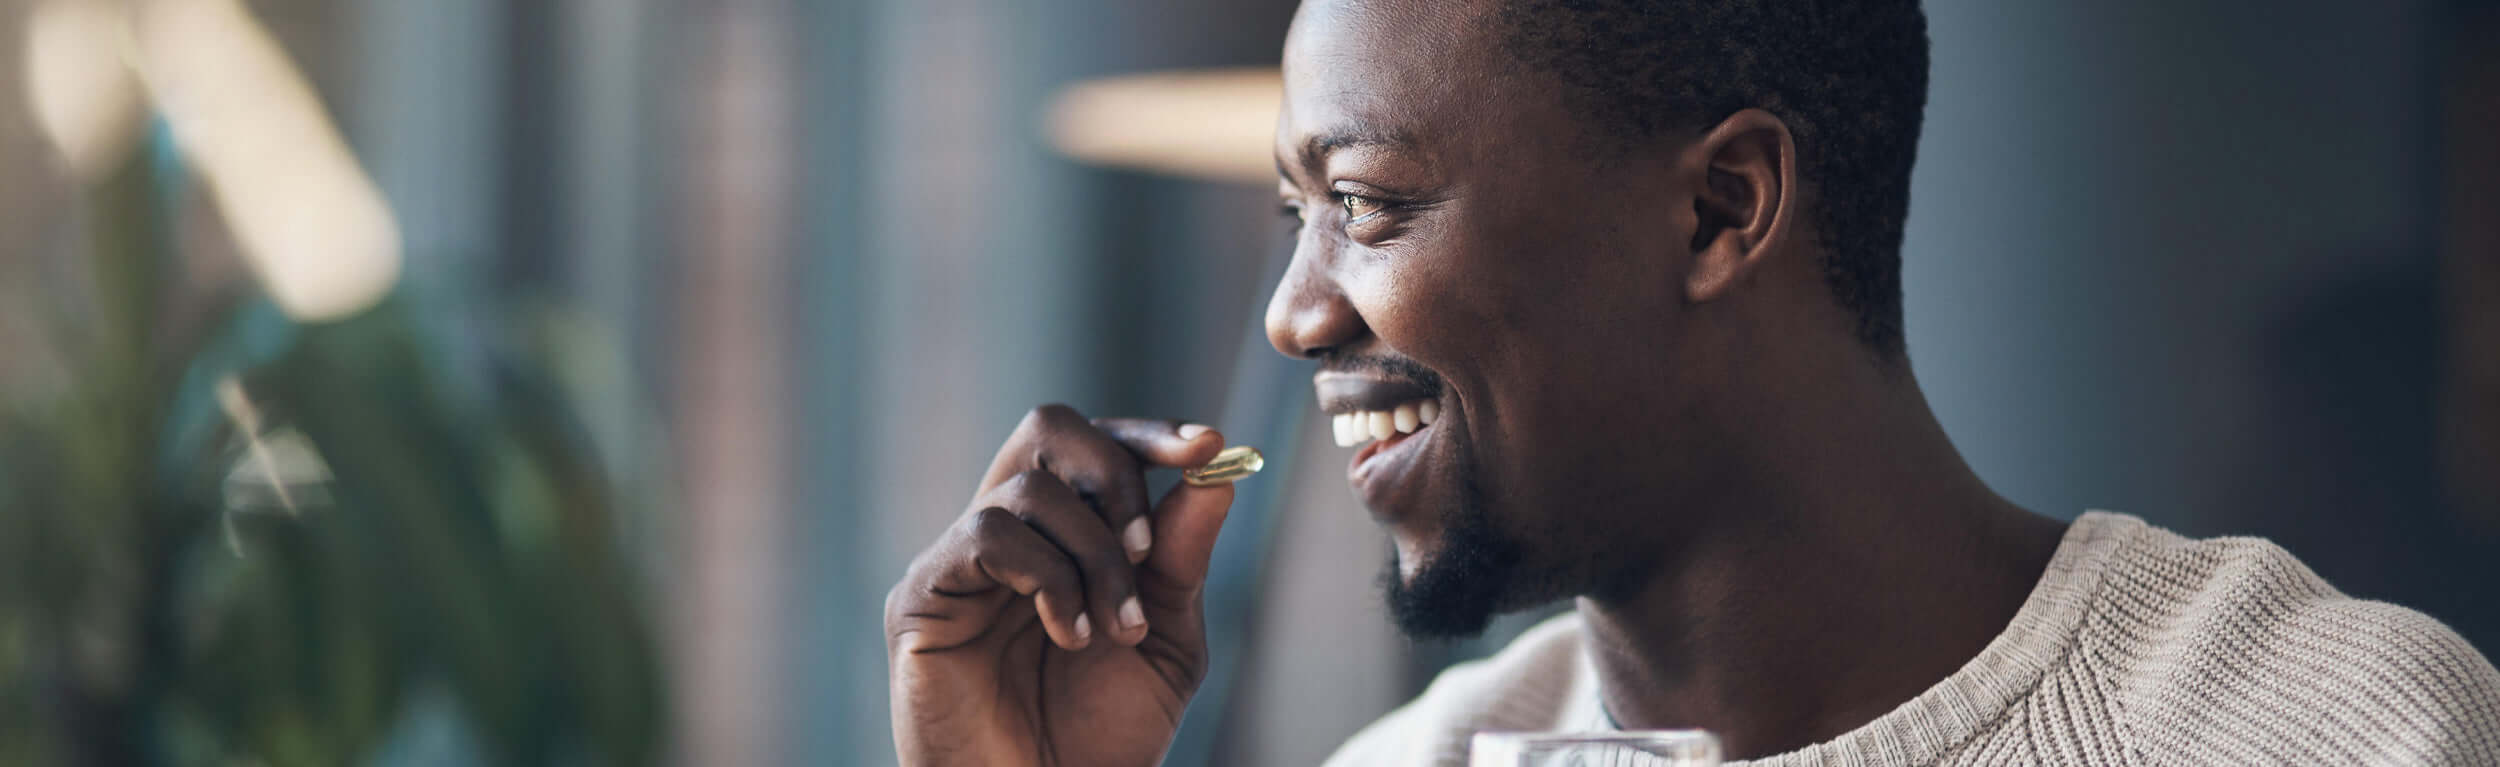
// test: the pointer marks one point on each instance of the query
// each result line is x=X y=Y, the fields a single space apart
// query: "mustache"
x=1382 y=365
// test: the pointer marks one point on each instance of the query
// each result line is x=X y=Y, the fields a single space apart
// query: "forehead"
x=1412 y=74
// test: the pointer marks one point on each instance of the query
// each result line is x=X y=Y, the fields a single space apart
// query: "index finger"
x=1167 y=443
x=1057 y=439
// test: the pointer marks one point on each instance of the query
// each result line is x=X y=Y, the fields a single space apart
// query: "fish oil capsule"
x=1233 y=463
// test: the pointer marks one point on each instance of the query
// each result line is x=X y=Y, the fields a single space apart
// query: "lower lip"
x=1377 y=468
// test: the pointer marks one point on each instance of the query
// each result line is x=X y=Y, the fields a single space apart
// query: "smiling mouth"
x=1386 y=426
x=1379 y=430
x=1378 y=414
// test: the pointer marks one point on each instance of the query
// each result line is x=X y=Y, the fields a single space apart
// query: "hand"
x=1042 y=628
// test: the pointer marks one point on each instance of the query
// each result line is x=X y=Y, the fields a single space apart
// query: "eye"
x=1358 y=207
x=1292 y=213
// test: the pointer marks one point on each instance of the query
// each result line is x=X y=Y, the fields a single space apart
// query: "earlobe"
x=1745 y=177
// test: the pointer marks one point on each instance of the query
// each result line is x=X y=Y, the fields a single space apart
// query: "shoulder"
x=1532 y=684
x=2231 y=649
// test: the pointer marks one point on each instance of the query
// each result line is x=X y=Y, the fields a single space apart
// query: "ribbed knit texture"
x=2137 y=647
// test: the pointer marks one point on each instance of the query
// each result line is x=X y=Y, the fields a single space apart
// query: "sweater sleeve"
x=2403 y=687
x=2264 y=663
x=2461 y=723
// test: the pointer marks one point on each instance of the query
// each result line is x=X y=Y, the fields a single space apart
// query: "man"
x=1610 y=291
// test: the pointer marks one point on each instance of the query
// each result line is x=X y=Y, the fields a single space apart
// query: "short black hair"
x=1849 y=77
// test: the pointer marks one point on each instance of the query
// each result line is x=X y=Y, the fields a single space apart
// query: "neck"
x=1854 y=567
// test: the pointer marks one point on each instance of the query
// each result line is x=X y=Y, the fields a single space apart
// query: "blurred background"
x=565 y=381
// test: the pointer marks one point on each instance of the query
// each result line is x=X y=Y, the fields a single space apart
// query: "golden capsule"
x=1233 y=463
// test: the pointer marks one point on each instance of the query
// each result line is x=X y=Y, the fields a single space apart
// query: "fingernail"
x=1084 y=627
x=1190 y=431
x=1131 y=615
x=1137 y=537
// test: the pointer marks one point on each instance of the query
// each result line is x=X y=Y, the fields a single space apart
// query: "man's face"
x=1465 y=242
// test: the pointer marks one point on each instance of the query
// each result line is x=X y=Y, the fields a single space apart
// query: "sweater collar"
x=1930 y=726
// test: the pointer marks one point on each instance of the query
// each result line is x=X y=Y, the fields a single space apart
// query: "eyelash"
x=1294 y=212
x=1346 y=201
x=1295 y=215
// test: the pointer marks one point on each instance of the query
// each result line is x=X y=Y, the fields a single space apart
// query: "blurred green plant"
x=235 y=539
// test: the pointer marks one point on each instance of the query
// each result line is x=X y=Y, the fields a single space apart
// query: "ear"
x=1747 y=166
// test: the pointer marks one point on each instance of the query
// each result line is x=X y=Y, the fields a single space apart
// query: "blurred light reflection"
x=1213 y=124
x=83 y=96
x=312 y=225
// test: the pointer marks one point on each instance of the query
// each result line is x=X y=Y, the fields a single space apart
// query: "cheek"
x=1563 y=357
x=1550 y=315
x=1420 y=304
x=1554 y=344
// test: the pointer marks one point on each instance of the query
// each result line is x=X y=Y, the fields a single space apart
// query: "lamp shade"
x=1211 y=124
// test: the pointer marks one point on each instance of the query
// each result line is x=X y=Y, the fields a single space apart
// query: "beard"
x=1458 y=589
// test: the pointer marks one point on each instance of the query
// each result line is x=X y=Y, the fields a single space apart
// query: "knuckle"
x=1037 y=485
x=1095 y=463
x=1047 y=418
x=988 y=525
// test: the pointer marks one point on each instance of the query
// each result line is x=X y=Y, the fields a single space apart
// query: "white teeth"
x=1362 y=426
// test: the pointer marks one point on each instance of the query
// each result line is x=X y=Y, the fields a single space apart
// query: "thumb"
x=1185 y=524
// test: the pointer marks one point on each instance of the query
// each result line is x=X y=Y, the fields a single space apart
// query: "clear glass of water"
x=1635 y=748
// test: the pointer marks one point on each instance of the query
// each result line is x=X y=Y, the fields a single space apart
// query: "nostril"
x=1308 y=315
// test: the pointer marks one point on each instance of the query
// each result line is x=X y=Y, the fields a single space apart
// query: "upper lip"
x=1341 y=392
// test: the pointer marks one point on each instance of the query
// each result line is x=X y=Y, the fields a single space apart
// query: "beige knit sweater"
x=2138 y=647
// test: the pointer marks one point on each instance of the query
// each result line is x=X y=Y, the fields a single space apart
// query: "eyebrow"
x=1320 y=145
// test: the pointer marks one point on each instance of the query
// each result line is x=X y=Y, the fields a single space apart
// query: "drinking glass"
x=1636 y=748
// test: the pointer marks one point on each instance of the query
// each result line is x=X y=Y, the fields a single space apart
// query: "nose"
x=1309 y=313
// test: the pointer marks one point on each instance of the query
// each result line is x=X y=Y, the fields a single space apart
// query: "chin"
x=1452 y=586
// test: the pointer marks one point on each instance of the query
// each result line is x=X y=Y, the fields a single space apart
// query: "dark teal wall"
x=2180 y=260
